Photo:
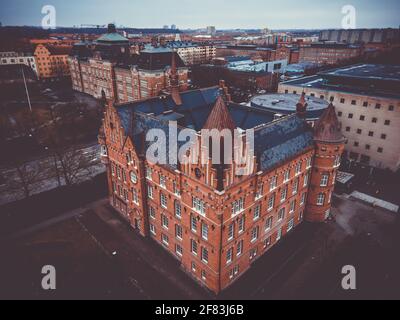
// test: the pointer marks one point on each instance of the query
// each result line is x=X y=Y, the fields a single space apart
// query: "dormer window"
x=103 y=151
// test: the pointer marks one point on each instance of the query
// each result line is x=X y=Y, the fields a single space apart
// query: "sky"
x=224 y=14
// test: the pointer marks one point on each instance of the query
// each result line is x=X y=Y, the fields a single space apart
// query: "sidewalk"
x=181 y=285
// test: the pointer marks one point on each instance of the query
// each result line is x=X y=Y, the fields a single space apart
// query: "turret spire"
x=174 y=80
x=328 y=128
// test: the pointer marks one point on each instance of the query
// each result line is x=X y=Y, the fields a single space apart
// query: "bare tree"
x=75 y=165
x=27 y=176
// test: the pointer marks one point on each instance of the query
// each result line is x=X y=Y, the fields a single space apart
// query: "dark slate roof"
x=275 y=141
x=281 y=140
x=157 y=60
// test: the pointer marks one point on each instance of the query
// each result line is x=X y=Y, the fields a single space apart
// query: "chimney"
x=301 y=106
x=154 y=42
x=225 y=91
x=163 y=42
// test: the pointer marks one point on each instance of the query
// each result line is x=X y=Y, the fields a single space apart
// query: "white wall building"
x=11 y=57
x=368 y=109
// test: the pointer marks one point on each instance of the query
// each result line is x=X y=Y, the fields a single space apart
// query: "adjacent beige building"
x=367 y=101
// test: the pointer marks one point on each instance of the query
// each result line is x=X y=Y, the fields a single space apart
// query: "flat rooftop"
x=286 y=104
x=367 y=71
x=362 y=79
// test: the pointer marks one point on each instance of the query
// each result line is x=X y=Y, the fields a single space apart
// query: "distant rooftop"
x=363 y=79
x=370 y=71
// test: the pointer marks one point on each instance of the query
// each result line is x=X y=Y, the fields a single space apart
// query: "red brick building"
x=329 y=53
x=106 y=68
x=214 y=221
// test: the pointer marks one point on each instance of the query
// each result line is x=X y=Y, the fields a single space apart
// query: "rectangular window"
x=198 y=205
x=193 y=247
x=165 y=239
x=149 y=173
x=259 y=192
x=273 y=183
x=292 y=206
x=152 y=229
x=271 y=202
x=284 y=193
x=239 y=249
x=204 y=231
x=163 y=200
x=163 y=181
x=257 y=211
x=254 y=234
x=178 y=231
x=178 y=250
x=229 y=255
x=164 y=221
x=231 y=231
x=286 y=176
x=298 y=168
x=281 y=214
x=176 y=189
x=150 y=192
x=320 y=199
x=309 y=160
x=306 y=177
x=324 y=180
x=295 y=186
x=279 y=234
x=204 y=255
x=193 y=223
x=241 y=224
x=135 y=197
x=268 y=224
x=290 y=225
x=178 y=212
x=237 y=206
x=152 y=212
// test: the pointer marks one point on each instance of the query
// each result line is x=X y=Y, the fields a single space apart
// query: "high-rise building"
x=211 y=30
x=214 y=221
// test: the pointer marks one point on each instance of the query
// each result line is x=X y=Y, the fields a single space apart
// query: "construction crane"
x=98 y=26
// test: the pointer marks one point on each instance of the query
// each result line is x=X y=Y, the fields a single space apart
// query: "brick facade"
x=216 y=233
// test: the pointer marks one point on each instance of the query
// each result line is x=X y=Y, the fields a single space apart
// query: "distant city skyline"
x=191 y=14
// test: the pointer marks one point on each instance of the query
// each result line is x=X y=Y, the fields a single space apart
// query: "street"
x=99 y=256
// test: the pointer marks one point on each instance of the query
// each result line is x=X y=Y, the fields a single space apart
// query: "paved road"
x=305 y=265
x=47 y=179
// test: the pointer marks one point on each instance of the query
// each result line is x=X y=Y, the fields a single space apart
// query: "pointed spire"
x=327 y=128
x=301 y=106
x=219 y=117
x=174 y=80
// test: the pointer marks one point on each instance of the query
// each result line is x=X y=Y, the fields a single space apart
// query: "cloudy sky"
x=224 y=14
